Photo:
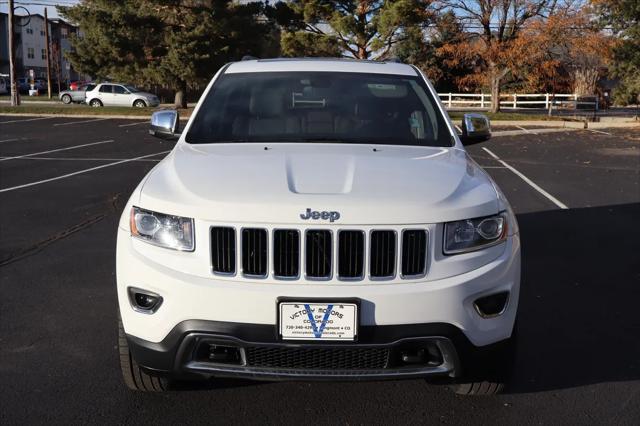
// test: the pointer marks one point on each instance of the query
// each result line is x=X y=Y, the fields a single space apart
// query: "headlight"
x=474 y=234
x=163 y=230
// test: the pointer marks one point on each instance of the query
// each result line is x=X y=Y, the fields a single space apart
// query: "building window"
x=31 y=53
x=29 y=31
x=44 y=54
x=63 y=32
x=42 y=33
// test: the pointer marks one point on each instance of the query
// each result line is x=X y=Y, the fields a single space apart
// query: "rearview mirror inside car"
x=165 y=124
x=475 y=128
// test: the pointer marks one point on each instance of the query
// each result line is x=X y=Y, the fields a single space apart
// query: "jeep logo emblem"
x=316 y=215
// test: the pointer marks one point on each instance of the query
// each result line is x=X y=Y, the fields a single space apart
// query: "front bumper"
x=180 y=353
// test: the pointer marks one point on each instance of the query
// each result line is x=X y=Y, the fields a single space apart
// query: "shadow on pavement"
x=579 y=319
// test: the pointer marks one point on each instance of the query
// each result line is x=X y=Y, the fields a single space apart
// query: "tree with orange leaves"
x=497 y=25
x=567 y=46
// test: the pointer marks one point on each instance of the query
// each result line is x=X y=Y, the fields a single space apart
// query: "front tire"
x=134 y=377
x=96 y=103
x=487 y=372
x=66 y=99
x=140 y=104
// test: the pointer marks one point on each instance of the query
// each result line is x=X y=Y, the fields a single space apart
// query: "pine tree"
x=362 y=29
x=168 y=42
x=624 y=17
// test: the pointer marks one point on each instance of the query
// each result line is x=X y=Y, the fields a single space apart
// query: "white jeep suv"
x=318 y=219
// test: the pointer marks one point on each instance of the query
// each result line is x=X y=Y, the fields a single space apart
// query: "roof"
x=321 y=64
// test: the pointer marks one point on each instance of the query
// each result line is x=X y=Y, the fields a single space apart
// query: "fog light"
x=493 y=305
x=144 y=301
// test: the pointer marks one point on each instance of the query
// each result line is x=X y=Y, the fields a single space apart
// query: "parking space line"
x=81 y=122
x=599 y=131
x=78 y=159
x=56 y=150
x=133 y=124
x=550 y=197
x=26 y=185
x=9 y=140
x=28 y=119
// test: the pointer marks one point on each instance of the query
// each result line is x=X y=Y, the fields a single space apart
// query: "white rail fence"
x=520 y=100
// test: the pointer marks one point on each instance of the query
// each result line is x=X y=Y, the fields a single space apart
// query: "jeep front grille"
x=320 y=254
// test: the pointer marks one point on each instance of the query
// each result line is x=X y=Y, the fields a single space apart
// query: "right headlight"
x=474 y=234
x=173 y=232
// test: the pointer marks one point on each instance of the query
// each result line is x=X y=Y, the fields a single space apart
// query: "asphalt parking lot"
x=64 y=182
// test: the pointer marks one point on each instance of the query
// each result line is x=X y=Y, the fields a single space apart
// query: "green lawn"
x=26 y=98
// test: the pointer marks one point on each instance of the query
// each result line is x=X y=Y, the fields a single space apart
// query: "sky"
x=37 y=6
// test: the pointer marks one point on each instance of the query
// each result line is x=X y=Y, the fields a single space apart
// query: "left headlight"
x=163 y=230
x=474 y=234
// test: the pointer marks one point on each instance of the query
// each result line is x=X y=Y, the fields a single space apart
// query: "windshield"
x=320 y=107
x=132 y=89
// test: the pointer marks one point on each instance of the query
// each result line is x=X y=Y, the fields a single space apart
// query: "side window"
x=119 y=90
x=105 y=88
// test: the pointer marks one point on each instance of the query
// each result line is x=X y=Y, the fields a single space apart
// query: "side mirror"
x=165 y=124
x=475 y=128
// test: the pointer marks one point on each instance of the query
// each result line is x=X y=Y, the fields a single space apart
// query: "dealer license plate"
x=318 y=321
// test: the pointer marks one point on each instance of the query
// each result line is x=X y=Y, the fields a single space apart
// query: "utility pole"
x=46 y=36
x=15 y=96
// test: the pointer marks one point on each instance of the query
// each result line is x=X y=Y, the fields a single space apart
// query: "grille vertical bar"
x=414 y=252
x=254 y=252
x=351 y=254
x=286 y=253
x=318 y=254
x=223 y=250
x=383 y=254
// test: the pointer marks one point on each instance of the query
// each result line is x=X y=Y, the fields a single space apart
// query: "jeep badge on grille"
x=324 y=215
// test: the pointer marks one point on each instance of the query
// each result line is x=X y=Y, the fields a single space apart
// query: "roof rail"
x=248 y=58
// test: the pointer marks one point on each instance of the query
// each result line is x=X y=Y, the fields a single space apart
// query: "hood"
x=277 y=183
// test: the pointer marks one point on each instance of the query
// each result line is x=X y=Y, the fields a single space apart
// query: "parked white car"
x=115 y=94
x=318 y=219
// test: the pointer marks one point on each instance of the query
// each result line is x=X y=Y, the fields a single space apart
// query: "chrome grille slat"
x=254 y=252
x=223 y=250
x=286 y=249
x=350 y=255
x=414 y=253
x=383 y=254
x=318 y=254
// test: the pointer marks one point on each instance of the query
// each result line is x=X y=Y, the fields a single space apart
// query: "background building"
x=30 y=48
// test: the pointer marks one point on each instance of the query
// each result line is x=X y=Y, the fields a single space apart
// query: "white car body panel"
x=244 y=185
